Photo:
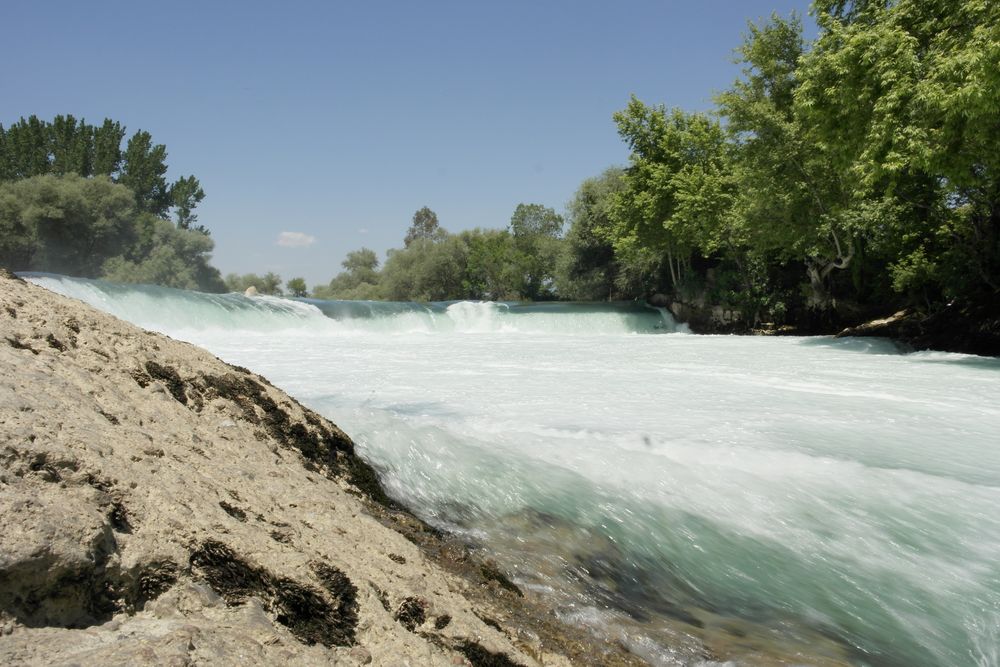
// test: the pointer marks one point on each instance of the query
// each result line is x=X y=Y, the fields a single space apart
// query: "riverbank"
x=966 y=328
x=160 y=506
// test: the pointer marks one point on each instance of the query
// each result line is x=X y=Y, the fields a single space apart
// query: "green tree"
x=269 y=283
x=362 y=265
x=904 y=97
x=144 y=171
x=490 y=270
x=358 y=280
x=424 y=226
x=185 y=195
x=26 y=149
x=173 y=258
x=63 y=211
x=536 y=232
x=588 y=268
x=427 y=270
x=297 y=287
x=33 y=147
x=64 y=224
x=675 y=199
x=107 y=150
x=795 y=202
x=71 y=146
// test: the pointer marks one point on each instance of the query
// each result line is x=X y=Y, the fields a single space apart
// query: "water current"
x=701 y=499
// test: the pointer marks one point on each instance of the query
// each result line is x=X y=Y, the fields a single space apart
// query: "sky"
x=317 y=128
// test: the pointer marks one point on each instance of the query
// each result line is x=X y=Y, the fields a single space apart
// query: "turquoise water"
x=815 y=498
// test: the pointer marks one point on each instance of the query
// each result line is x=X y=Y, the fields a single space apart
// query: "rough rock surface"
x=158 y=506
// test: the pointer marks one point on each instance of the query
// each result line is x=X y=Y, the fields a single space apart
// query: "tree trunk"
x=819 y=271
x=673 y=273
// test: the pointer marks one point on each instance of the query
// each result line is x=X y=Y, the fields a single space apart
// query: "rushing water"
x=801 y=499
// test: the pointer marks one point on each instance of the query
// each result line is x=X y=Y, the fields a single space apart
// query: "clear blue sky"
x=337 y=120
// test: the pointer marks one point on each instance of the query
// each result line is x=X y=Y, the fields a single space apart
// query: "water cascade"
x=812 y=500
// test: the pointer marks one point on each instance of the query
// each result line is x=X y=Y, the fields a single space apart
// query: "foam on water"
x=831 y=496
x=183 y=311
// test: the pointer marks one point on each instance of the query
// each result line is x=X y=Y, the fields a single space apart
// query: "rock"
x=57 y=548
x=362 y=655
x=250 y=291
x=116 y=544
x=658 y=300
x=886 y=326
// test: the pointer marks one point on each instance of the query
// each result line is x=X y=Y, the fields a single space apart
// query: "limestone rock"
x=159 y=506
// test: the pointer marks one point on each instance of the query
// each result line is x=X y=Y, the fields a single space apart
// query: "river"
x=758 y=500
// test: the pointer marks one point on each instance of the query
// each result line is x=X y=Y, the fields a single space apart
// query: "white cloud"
x=363 y=230
x=295 y=240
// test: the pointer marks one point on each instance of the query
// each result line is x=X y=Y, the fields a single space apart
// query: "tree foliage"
x=185 y=195
x=297 y=287
x=536 y=232
x=424 y=226
x=168 y=256
x=358 y=280
x=65 y=224
x=589 y=269
x=89 y=227
x=905 y=97
x=269 y=283
x=861 y=167
x=66 y=145
x=144 y=171
x=72 y=201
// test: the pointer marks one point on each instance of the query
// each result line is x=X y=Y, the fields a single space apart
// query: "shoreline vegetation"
x=159 y=504
x=837 y=182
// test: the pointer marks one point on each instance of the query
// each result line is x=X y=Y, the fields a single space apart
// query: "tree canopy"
x=73 y=201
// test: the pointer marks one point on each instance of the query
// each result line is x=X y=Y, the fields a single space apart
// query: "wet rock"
x=492 y=572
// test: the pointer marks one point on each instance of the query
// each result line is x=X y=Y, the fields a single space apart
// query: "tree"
x=361 y=264
x=61 y=209
x=297 y=287
x=424 y=226
x=675 y=197
x=904 y=97
x=26 y=149
x=173 y=258
x=64 y=224
x=185 y=195
x=358 y=280
x=490 y=270
x=143 y=172
x=107 y=150
x=588 y=268
x=795 y=202
x=427 y=270
x=533 y=220
x=71 y=146
x=32 y=147
x=536 y=232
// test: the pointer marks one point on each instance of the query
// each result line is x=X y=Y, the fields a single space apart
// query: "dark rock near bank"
x=970 y=328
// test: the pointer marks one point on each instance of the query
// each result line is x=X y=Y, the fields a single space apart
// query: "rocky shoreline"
x=159 y=506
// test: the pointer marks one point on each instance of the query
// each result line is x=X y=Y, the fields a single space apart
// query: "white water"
x=804 y=488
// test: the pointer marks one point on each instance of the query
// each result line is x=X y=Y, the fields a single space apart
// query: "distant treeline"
x=73 y=201
x=856 y=172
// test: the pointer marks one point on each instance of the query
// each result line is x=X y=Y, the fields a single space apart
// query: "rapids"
x=812 y=500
